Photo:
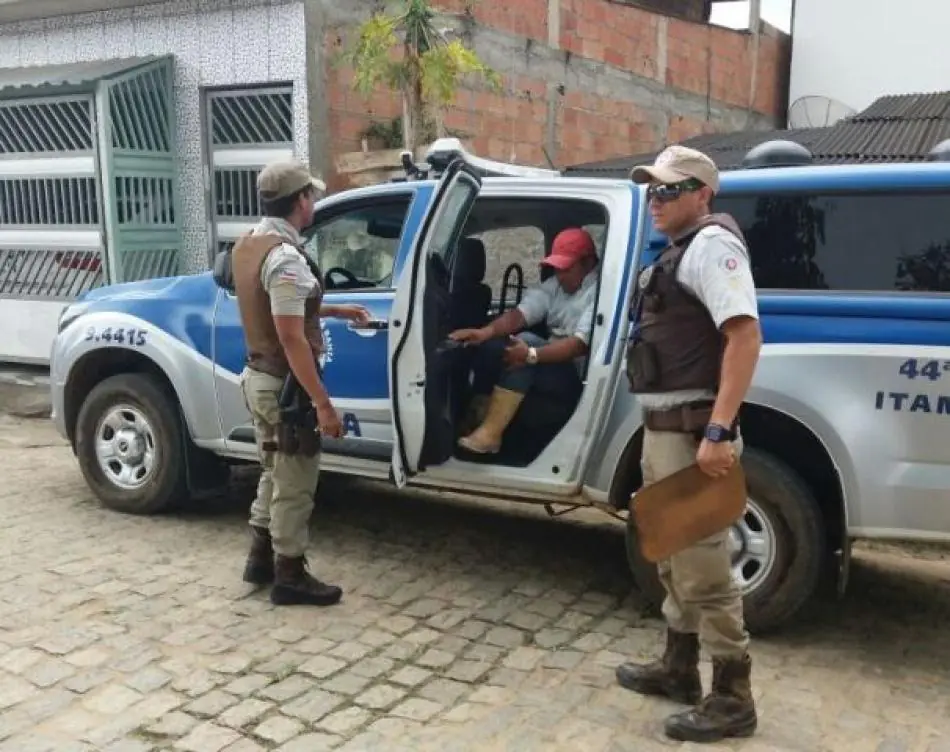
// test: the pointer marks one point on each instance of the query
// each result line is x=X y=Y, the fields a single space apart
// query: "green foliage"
x=444 y=65
x=405 y=52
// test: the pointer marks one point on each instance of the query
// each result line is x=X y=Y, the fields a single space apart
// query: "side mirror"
x=222 y=271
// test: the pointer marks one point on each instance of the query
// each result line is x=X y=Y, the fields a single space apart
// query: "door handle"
x=368 y=329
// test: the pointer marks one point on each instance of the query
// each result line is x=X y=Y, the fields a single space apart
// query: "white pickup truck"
x=847 y=425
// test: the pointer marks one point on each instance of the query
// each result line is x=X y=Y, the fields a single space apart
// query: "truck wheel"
x=778 y=547
x=129 y=445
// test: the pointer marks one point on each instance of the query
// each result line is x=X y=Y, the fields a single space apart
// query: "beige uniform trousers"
x=285 y=491
x=701 y=595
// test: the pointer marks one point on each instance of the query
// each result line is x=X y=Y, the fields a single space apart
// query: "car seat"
x=471 y=297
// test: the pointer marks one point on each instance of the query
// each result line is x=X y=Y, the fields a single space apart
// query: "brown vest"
x=678 y=345
x=264 y=351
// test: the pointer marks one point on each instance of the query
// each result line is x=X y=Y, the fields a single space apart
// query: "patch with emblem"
x=645 y=276
x=287 y=275
x=729 y=263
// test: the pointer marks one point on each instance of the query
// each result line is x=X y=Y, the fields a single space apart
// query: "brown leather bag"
x=685 y=508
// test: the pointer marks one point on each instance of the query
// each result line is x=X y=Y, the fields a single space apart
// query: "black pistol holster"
x=297 y=431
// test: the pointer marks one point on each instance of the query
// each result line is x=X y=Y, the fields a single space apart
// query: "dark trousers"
x=554 y=380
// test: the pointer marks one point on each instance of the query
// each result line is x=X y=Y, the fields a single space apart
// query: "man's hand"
x=356 y=313
x=516 y=354
x=329 y=421
x=715 y=458
x=472 y=336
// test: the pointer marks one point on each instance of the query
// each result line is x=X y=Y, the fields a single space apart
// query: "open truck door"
x=419 y=328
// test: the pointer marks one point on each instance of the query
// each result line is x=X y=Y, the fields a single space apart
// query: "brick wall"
x=588 y=79
x=692 y=10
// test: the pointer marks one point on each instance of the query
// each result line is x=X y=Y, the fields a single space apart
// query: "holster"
x=643 y=368
x=297 y=431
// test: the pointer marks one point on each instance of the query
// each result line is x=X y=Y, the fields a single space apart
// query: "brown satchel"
x=685 y=508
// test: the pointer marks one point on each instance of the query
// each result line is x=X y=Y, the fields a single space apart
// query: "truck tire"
x=130 y=446
x=783 y=512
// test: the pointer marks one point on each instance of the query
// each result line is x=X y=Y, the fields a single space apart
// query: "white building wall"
x=858 y=50
x=215 y=43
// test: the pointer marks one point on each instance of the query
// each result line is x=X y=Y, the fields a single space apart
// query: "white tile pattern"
x=215 y=43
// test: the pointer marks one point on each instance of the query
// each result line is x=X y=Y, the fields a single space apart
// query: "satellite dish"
x=814 y=111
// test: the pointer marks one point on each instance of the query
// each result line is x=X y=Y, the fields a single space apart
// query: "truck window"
x=846 y=242
x=510 y=245
x=357 y=249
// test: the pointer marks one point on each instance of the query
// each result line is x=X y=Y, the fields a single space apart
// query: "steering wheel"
x=346 y=273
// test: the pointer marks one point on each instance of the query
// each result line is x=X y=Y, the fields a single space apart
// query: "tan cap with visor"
x=675 y=164
x=281 y=179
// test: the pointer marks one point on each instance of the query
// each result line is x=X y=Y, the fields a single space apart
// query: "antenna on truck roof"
x=444 y=151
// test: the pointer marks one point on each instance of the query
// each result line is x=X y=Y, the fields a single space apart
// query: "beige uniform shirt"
x=285 y=275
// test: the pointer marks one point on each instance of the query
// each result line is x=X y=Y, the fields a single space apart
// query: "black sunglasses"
x=664 y=192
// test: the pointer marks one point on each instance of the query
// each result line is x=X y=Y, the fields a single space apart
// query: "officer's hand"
x=329 y=421
x=715 y=458
x=471 y=336
x=516 y=354
x=356 y=313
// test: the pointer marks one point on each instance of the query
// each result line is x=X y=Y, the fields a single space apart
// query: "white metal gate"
x=245 y=129
x=87 y=188
x=51 y=241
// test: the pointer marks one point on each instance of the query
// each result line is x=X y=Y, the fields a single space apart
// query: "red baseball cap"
x=569 y=247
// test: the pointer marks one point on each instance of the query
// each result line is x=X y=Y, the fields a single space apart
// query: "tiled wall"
x=215 y=43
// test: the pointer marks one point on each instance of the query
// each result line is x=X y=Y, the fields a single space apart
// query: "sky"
x=736 y=15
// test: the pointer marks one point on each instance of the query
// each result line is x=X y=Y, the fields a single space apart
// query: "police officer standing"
x=690 y=364
x=279 y=294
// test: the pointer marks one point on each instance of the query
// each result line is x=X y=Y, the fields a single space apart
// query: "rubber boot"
x=675 y=675
x=294 y=586
x=728 y=711
x=486 y=439
x=477 y=410
x=259 y=568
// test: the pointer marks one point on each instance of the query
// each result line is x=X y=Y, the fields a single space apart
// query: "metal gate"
x=88 y=194
x=139 y=184
x=50 y=233
x=245 y=129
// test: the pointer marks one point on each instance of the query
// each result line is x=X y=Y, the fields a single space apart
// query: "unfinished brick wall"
x=691 y=10
x=588 y=79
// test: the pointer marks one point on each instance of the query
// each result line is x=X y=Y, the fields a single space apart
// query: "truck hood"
x=168 y=288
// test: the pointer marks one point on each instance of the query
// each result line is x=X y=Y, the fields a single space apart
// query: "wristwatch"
x=717 y=434
x=532 y=355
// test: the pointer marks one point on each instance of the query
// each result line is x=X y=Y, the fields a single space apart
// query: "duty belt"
x=687 y=418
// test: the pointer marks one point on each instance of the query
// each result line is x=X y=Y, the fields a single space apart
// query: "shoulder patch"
x=729 y=262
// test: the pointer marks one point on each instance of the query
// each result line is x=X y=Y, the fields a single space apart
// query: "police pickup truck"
x=847 y=425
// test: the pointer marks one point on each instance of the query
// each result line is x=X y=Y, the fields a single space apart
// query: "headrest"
x=471 y=261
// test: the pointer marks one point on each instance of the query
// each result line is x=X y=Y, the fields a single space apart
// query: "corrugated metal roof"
x=32 y=78
x=935 y=105
x=900 y=128
x=725 y=149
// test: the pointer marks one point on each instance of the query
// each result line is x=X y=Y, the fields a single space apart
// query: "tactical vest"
x=264 y=351
x=677 y=346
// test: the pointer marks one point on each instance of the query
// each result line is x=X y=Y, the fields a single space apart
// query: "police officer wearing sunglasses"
x=690 y=365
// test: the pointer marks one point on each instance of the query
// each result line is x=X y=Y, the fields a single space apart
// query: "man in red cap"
x=565 y=303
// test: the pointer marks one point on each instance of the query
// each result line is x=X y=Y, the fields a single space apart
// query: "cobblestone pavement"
x=463 y=627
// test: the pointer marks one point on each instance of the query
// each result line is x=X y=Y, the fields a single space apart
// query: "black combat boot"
x=727 y=711
x=294 y=586
x=259 y=569
x=675 y=675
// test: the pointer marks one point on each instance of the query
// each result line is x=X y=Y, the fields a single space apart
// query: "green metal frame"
x=137 y=136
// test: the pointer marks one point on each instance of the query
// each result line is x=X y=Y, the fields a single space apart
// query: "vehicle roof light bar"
x=444 y=151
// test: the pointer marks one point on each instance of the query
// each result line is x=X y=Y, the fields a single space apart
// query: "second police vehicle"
x=846 y=425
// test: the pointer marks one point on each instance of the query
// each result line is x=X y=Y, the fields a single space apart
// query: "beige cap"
x=281 y=179
x=676 y=163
